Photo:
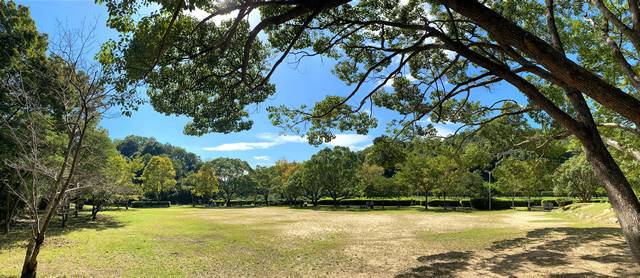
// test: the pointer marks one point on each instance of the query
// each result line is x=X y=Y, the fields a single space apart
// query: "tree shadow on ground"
x=439 y=265
x=21 y=231
x=554 y=252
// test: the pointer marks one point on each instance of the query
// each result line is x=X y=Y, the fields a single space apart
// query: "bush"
x=558 y=202
x=441 y=203
x=150 y=204
x=496 y=204
x=363 y=202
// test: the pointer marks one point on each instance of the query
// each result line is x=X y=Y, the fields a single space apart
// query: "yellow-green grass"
x=278 y=241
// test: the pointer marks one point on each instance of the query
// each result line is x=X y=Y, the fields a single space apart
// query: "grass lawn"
x=278 y=241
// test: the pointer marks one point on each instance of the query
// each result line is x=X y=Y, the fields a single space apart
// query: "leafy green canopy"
x=193 y=69
x=159 y=176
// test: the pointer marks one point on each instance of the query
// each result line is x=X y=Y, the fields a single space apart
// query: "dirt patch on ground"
x=448 y=244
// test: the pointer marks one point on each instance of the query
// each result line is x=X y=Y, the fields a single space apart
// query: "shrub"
x=376 y=202
x=496 y=204
x=441 y=203
x=150 y=204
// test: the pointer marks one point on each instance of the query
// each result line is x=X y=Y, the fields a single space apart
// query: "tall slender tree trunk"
x=11 y=211
x=426 y=200
x=6 y=219
x=30 y=266
x=444 y=201
x=528 y=202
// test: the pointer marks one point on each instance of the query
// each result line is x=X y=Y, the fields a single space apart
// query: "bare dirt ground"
x=456 y=244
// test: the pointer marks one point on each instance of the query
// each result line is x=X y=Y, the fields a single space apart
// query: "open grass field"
x=284 y=242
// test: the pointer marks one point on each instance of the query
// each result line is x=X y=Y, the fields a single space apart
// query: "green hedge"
x=441 y=203
x=150 y=204
x=496 y=204
x=363 y=202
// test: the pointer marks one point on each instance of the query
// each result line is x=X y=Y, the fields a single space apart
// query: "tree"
x=370 y=180
x=421 y=171
x=293 y=188
x=23 y=50
x=527 y=176
x=333 y=171
x=576 y=178
x=98 y=174
x=387 y=153
x=538 y=48
x=204 y=183
x=233 y=177
x=266 y=180
x=309 y=181
x=286 y=186
x=158 y=176
x=373 y=183
x=49 y=142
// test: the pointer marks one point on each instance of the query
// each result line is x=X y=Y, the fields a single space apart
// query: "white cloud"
x=240 y=146
x=443 y=131
x=270 y=141
x=254 y=16
x=450 y=54
x=201 y=14
x=283 y=138
x=262 y=157
x=351 y=141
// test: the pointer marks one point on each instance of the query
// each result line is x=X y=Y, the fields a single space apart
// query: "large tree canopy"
x=576 y=62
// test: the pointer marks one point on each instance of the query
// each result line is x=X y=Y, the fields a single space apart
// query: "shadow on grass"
x=20 y=232
x=548 y=250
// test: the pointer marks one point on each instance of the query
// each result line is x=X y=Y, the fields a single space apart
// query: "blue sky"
x=306 y=82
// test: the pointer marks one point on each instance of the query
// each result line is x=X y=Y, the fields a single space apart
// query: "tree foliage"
x=159 y=176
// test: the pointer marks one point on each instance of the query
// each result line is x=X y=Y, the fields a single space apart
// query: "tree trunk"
x=623 y=200
x=426 y=200
x=489 y=198
x=266 y=199
x=75 y=208
x=11 y=211
x=30 y=265
x=335 y=201
x=444 y=201
x=94 y=212
x=528 y=202
x=513 y=200
x=7 y=216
